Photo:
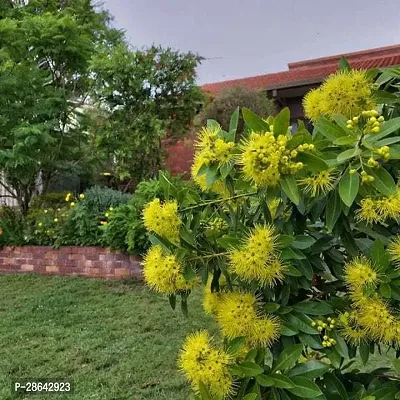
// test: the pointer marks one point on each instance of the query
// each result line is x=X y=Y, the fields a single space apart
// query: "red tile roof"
x=313 y=71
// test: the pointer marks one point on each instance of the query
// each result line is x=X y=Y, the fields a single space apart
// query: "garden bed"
x=70 y=260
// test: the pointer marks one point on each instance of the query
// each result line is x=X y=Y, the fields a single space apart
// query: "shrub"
x=299 y=257
x=13 y=226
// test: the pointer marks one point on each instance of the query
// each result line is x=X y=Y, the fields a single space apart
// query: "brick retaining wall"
x=70 y=260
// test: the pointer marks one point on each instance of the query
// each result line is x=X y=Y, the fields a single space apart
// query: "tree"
x=225 y=103
x=58 y=59
x=144 y=95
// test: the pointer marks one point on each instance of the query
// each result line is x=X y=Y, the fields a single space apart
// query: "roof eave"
x=295 y=84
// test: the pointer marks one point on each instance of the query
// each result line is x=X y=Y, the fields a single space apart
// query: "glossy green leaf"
x=302 y=323
x=341 y=345
x=234 y=121
x=334 y=385
x=303 y=242
x=204 y=392
x=364 y=352
x=312 y=162
x=385 y=394
x=289 y=186
x=264 y=380
x=388 y=127
x=288 y=357
x=345 y=140
x=281 y=381
x=310 y=369
x=333 y=209
x=348 y=154
x=385 y=290
x=344 y=64
x=383 y=181
x=250 y=396
x=348 y=188
x=330 y=130
x=313 y=308
x=304 y=388
x=172 y=300
x=379 y=256
x=281 y=122
x=254 y=122
x=250 y=369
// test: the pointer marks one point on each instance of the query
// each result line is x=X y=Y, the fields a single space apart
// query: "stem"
x=217 y=201
x=208 y=256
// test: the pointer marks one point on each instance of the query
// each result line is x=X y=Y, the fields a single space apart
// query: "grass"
x=115 y=340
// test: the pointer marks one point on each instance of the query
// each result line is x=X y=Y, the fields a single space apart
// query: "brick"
x=27 y=267
x=50 y=256
x=121 y=272
x=92 y=257
x=76 y=257
x=87 y=263
x=52 y=269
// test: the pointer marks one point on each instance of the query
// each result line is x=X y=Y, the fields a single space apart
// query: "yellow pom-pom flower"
x=312 y=104
x=163 y=219
x=394 y=250
x=201 y=361
x=347 y=93
x=349 y=330
x=368 y=211
x=236 y=314
x=264 y=331
x=359 y=272
x=322 y=183
x=380 y=209
x=164 y=273
x=257 y=259
x=211 y=300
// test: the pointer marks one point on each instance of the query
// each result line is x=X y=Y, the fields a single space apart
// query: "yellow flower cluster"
x=264 y=158
x=369 y=121
x=211 y=148
x=394 y=250
x=360 y=272
x=378 y=210
x=212 y=299
x=163 y=219
x=324 y=327
x=257 y=259
x=371 y=316
x=201 y=361
x=164 y=273
x=237 y=315
x=321 y=183
x=345 y=92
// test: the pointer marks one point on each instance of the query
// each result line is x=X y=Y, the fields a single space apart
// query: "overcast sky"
x=253 y=37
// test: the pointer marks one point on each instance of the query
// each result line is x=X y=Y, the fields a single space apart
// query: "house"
x=288 y=89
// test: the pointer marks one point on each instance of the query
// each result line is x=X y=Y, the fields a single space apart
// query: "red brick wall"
x=179 y=156
x=86 y=261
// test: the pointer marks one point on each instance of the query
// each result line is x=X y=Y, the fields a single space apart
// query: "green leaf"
x=264 y=381
x=281 y=381
x=281 y=122
x=234 y=121
x=305 y=388
x=379 y=256
x=271 y=307
x=253 y=121
x=288 y=329
x=333 y=209
x=303 y=242
x=334 y=385
x=345 y=140
x=385 y=394
x=388 y=141
x=184 y=307
x=340 y=346
x=383 y=180
x=172 y=301
x=187 y=236
x=204 y=392
x=364 y=352
x=330 y=130
x=385 y=290
x=189 y=274
x=250 y=396
x=347 y=154
x=292 y=254
x=344 y=64
x=396 y=364
x=312 y=162
x=236 y=344
x=250 y=369
x=313 y=308
x=348 y=188
x=211 y=176
x=289 y=186
x=285 y=240
x=302 y=323
x=288 y=357
x=311 y=369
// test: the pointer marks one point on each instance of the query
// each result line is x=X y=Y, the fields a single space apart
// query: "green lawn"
x=116 y=340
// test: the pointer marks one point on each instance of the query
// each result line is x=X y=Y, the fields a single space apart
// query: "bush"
x=300 y=261
x=13 y=226
x=221 y=108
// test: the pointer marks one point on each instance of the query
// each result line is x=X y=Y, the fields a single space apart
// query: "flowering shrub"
x=299 y=255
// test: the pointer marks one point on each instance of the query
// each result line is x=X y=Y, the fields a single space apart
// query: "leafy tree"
x=73 y=92
x=144 y=95
x=225 y=103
